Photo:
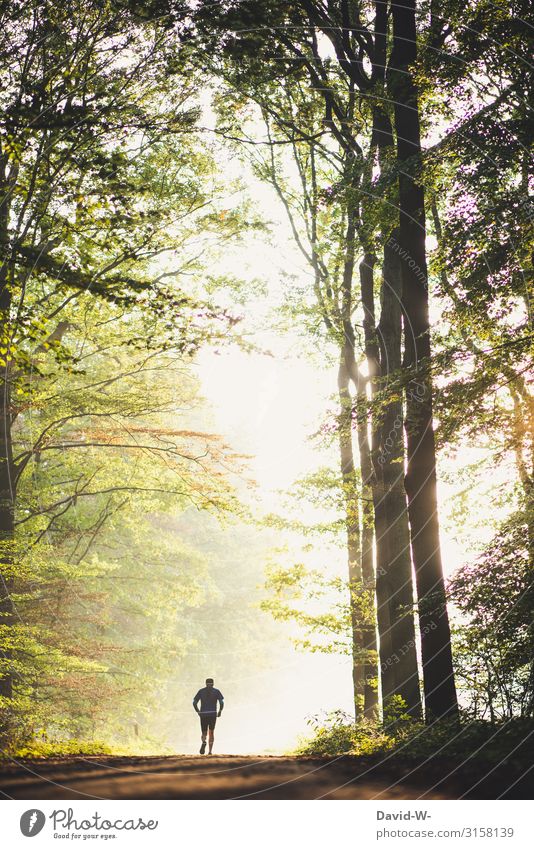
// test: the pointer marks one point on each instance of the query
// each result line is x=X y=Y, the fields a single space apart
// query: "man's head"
x=209 y=682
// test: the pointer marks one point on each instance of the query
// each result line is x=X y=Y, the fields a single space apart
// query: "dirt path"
x=234 y=777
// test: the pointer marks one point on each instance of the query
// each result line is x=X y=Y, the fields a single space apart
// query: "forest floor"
x=255 y=777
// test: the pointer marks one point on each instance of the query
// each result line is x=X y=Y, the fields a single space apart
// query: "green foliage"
x=394 y=715
x=44 y=748
x=317 y=604
x=336 y=734
x=110 y=188
x=111 y=207
x=494 y=645
x=100 y=581
x=37 y=749
x=508 y=742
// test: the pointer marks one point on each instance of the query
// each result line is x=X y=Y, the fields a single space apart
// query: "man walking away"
x=208 y=697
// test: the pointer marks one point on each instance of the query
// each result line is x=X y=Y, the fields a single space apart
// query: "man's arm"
x=221 y=702
x=196 y=701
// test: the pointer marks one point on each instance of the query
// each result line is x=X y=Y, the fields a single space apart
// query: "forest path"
x=237 y=777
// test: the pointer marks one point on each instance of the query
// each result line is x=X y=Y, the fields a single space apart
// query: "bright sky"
x=267 y=407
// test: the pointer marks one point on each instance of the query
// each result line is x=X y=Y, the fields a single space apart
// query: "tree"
x=494 y=647
x=476 y=177
x=335 y=133
x=420 y=481
x=87 y=209
x=97 y=576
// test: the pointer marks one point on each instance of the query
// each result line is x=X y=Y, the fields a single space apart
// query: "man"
x=208 y=697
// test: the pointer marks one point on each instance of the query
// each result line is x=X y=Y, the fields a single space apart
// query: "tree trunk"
x=352 y=513
x=367 y=565
x=6 y=532
x=391 y=460
x=7 y=482
x=364 y=602
x=383 y=591
x=420 y=482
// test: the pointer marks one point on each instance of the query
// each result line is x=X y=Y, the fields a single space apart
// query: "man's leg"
x=203 y=732
x=211 y=726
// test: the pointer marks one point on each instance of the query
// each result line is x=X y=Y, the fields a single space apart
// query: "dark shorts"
x=208 y=720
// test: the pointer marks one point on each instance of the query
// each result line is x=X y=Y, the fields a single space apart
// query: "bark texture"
x=420 y=482
x=391 y=461
x=6 y=457
x=352 y=521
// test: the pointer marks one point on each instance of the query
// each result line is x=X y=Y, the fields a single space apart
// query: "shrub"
x=506 y=742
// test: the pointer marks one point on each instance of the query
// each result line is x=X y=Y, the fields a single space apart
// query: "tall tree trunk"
x=6 y=533
x=352 y=513
x=370 y=644
x=368 y=612
x=420 y=482
x=398 y=654
x=365 y=600
x=400 y=675
x=391 y=460
x=383 y=591
x=6 y=461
